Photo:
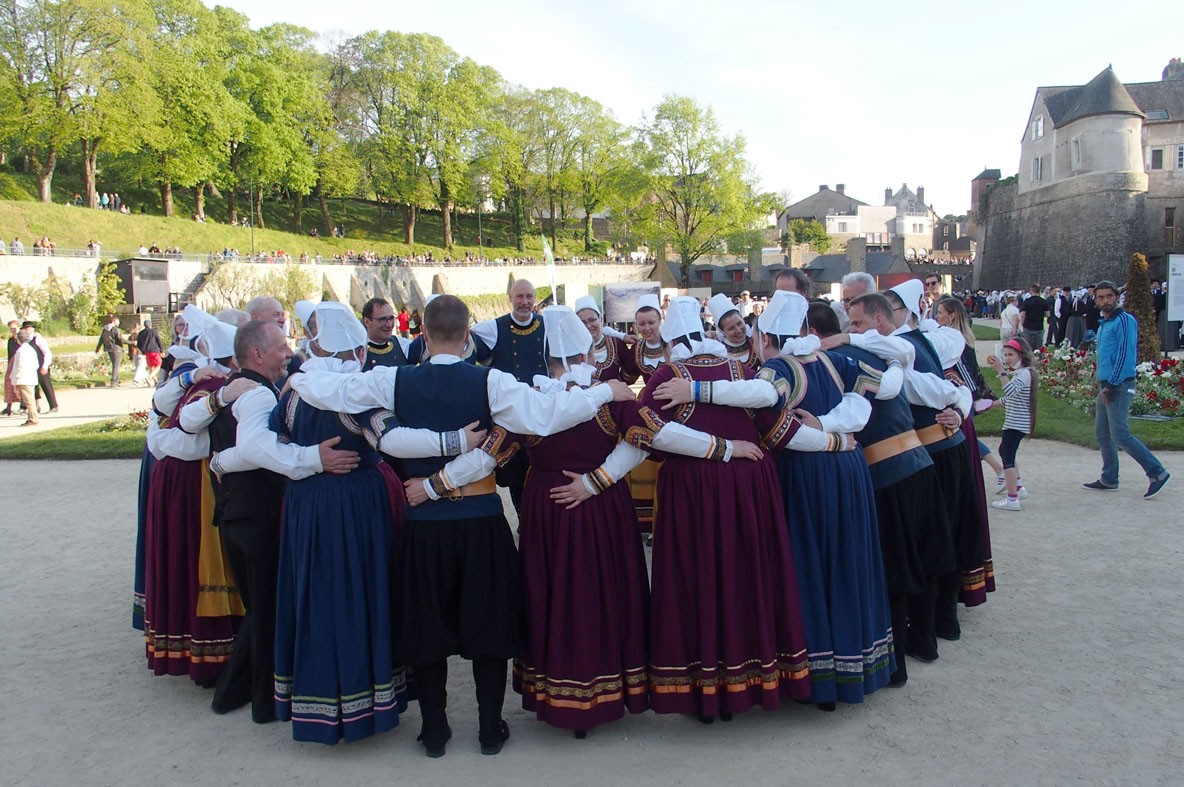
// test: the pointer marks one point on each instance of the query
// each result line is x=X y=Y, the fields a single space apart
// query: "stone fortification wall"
x=1071 y=233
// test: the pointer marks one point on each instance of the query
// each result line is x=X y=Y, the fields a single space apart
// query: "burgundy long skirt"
x=726 y=624
x=176 y=640
x=976 y=584
x=587 y=606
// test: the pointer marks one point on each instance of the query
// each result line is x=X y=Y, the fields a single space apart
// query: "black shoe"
x=580 y=734
x=1098 y=486
x=1157 y=485
x=501 y=735
x=264 y=716
x=223 y=706
x=950 y=635
x=436 y=750
x=705 y=719
x=828 y=707
x=897 y=680
x=725 y=715
x=926 y=656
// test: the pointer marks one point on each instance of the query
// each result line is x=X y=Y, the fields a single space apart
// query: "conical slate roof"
x=1102 y=95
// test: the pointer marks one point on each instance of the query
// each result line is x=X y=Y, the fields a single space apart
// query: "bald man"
x=265 y=309
x=513 y=343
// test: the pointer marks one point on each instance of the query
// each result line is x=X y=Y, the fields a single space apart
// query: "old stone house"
x=1101 y=175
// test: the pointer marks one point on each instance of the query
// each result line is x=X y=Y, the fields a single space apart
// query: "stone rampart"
x=1070 y=233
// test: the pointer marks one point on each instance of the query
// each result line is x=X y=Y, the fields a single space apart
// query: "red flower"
x=1152 y=395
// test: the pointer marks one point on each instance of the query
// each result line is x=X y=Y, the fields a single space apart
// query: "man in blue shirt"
x=1118 y=343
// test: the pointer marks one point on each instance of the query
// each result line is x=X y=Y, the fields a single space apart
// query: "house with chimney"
x=817 y=206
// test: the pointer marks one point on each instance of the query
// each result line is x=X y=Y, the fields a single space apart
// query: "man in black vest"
x=249 y=468
x=460 y=571
x=382 y=347
x=938 y=410
x=513 y=343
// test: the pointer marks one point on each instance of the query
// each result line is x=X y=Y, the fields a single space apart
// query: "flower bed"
x=136 y=421
x=1071 y=375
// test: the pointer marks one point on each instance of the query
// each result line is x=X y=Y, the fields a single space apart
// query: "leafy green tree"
x=599 y=159
x=514 y=152
x=806 y=231
x=288 y=284
x=22 y=299
x=109 y=293
x=184 y=138
x=112 y=92
x=699 y=190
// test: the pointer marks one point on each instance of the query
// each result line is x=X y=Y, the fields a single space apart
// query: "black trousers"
x=252 y=547
x=431 y=684
x=513 y=476
x=46 y=384
x=921 y=639
x=898 y=606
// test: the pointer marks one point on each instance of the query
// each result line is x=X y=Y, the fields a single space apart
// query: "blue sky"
x=867 y=94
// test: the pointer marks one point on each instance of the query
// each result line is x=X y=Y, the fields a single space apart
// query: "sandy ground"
x=1070 y=673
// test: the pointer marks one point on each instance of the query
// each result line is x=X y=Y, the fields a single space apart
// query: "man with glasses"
x=382 y=349
x=933 y=293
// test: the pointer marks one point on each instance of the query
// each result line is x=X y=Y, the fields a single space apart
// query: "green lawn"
x=985 y=333
x=1057 y=420
x=87 y=441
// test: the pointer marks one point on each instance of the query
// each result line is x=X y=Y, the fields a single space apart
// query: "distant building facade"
x=1101 y=176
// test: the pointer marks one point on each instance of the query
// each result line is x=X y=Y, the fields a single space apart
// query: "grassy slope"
x=368 y=225
x=86 y=441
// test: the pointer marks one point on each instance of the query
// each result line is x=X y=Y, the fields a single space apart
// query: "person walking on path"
x=148 y=341
x=45 y=359
x=1033 y=310
x=24 y=374
x=1118 y=340
x=11 y=396
x=111 y=342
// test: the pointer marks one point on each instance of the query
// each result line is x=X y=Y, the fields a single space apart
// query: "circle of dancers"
x=320 y=530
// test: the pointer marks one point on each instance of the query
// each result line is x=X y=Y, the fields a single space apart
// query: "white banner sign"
x=620 y=299
x=1176 y=288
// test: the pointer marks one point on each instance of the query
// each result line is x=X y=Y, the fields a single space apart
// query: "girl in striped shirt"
x=1019 y=382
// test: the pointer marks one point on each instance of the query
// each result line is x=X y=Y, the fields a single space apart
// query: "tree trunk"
x=326 y=219
x=89 y=154
x=409 y=212
x=519 y=219
x=298 y=210
x=551 y=208
x=258 y=220
x=166 y=198
x=446 y=213
x=45 y=185
x=587 y=230
x=199 y=200
x=232 y=205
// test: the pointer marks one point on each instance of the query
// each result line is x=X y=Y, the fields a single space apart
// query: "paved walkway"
x=81 y=406
x=1071 y=673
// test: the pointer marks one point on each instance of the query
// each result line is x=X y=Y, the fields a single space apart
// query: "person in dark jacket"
x=148 y=342
x=111 y=341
